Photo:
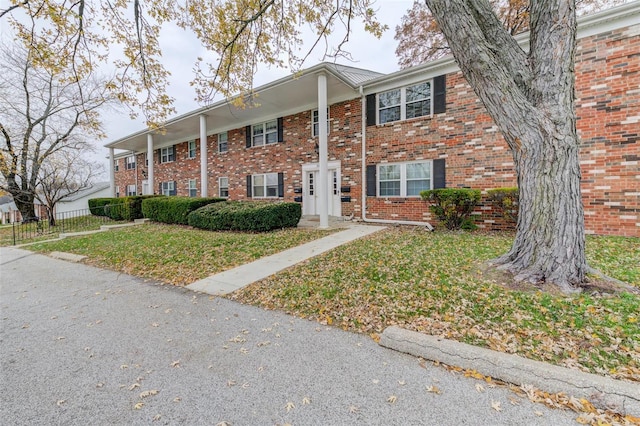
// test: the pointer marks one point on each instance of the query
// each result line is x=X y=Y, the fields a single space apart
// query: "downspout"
x=135 y=158
x=363 y=192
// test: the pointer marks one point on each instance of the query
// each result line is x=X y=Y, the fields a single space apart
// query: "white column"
x=203 y=156
x=151 y=186
x=112 y=176
x=323 y=178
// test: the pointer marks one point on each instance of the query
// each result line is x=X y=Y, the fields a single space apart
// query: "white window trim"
x=403 y=103
x=227 y=141
x=117 y=191
x=220 y=186
x=164 y=153
x=313 y=123
x=264 y=133
x=168 y=187
x=193 y=185
x=264 y=186
x=195 y=149
x=403 y=178
x=130 y=162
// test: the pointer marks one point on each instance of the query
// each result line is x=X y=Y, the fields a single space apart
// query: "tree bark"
x=531 y=99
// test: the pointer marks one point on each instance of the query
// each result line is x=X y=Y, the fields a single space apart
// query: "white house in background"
x=80 y=200
x=9 y=213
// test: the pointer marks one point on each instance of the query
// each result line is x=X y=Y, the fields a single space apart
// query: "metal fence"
x=35 y=229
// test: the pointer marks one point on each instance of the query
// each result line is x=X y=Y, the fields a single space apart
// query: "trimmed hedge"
x=505 y=200
x=246 y=216
x=452 y=206
x=125 y=208
x=174 y=209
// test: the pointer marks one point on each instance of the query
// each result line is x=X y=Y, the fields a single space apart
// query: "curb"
x=602 y=392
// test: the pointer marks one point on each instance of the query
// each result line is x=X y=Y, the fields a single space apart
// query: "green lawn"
x=176 y=254
x=433 y=283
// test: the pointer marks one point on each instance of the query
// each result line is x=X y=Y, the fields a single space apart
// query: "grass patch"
x=32 y=232
x=176 y=254
x=433 y=283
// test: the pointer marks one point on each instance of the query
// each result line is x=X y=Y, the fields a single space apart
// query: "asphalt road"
x=81 y=346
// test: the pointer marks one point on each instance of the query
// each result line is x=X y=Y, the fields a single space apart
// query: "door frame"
x=336 y=209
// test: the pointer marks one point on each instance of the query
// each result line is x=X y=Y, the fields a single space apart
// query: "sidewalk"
x=233 y=279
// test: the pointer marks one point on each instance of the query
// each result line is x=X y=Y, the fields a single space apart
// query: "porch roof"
x=288 y=95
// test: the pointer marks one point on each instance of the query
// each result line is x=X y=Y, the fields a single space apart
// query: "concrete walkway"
x=233 y=279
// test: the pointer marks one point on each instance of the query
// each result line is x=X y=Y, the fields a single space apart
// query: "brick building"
x=390 y=136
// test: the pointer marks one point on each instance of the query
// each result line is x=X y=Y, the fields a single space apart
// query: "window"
x=265 y=133
x=167 y=154
x=193 y=188
x=223 y=187
x=117 y=192
x=314 y=122
x=223 y=139
x=130 y=162
x=265 y=185
x=131 y=190
x=404 y=179
x=168 y=188
x=192 y=149
x=404 y=103
x=116 y=166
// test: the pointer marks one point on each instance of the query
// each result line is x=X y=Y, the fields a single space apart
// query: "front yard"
x=430 y=282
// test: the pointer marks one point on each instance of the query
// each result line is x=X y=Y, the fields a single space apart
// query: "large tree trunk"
x=24 y=199
x=530 y=96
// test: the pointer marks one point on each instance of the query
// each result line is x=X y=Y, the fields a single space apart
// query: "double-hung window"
x=192 y=148
x=264 y=133
x=116 y=165
x=223 y=142
x=130 y=162
x=168 y=188
x=167 y=154
x=193 y=188
x=131 y=190
x=404 y=179
x=117 y=192
x=405 y=103
x=315 y=131
x=223 y=187
x=265 y=185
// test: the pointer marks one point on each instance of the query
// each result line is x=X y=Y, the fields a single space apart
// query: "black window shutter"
x=175 y=188
x=371 y=180
x=280 y=184
x=281 y=129
x=371 y=109
x=247 y=131
x=249 y=191
x=160 y=156
x=160 y=188
x=440 y=94
x=439 y=174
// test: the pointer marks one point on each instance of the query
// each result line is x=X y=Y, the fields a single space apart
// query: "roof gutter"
x=363 y=192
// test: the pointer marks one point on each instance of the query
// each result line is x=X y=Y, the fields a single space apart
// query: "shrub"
x=246 y=216
x=173 y=209
x=452 y=206
x=505 y=201
x=125 y=208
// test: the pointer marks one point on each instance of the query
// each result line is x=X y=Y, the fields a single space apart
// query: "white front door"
x=310 y=189
x=145 y=187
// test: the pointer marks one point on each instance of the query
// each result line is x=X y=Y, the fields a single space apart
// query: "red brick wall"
x=608 y=109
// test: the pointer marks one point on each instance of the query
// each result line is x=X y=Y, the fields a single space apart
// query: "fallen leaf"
x=156 y=417
x=513 y=401
x=353 y=409
x=245 y=385
x=231 y=383
x=61 y=402
x=392 y=399
x=402 y=382
x=148 y=393
x=496 y=405
x=479 y=387
x=290 y=406
x=138 y=406
x=133 y=386
x=177 y=399
x=306 y=400
x=434 y=389
x=175 y=363
x=123 y=366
